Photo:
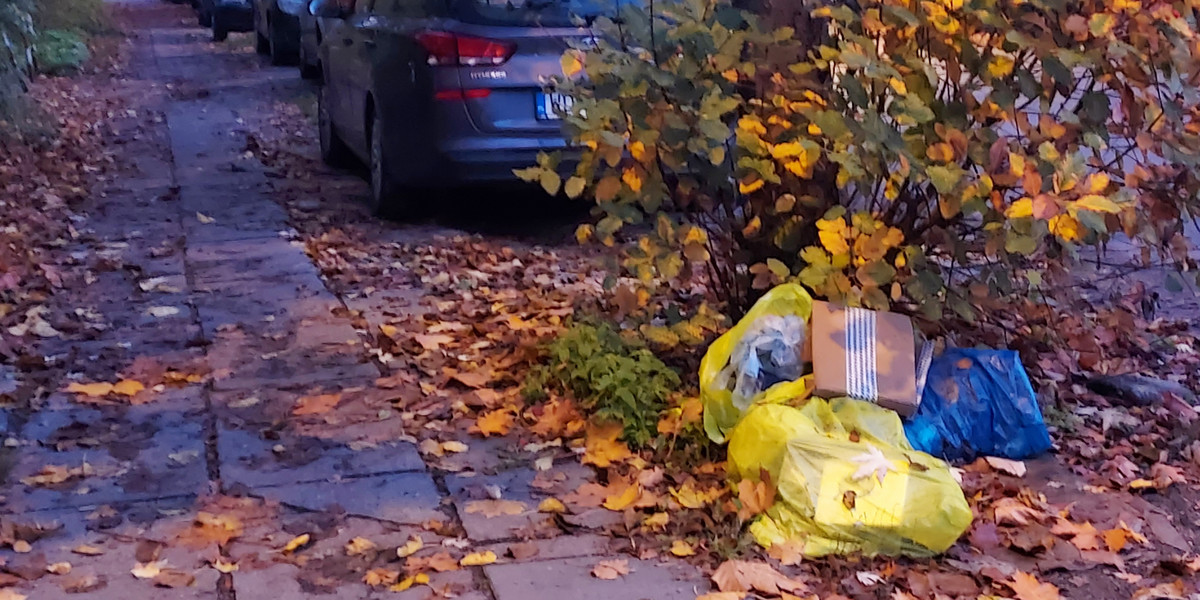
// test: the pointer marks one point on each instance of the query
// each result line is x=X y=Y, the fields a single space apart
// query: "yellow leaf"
x=621 y=501
x=1097 y=203
x=552 y=505
x=633 y=179
x=478 y=559
x=359 y=545
x=93 y=390
x=574 y=187
x=205 y=219
x=1000 y=66
x=1027 y=587
x=86 y=550
x=787 y=150
x=940 y=152
x=814 y=129
x=1065 y=227
x=690 y=497
x=128 y=387
x=751 y=124
x=834 y=242
x=898 y=85
x=682 y=548
x=601 y=447
x=148 y=570
x=730 y=75
x=497 y=422
x=752 y=186
x=1020 y=209
x=381 y=576
x=657 y=521
x=410 y=547
x=296 y=543
x=22 y=547
x=584 y=233
x=572 y=63
x=1097 y=182
x=638 y=151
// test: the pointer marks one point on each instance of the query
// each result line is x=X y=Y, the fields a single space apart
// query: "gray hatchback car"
x=440 y=93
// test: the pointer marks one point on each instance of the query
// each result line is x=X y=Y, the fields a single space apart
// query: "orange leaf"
x=746 y=576
x=93 y=390
x=315 y=405
x=497 y=422
x=495 y=508
x=1027 y=587
x=602 y=448
x=622 y=500
x=128 y=387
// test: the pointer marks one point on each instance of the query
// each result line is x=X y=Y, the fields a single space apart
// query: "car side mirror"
x=327 y=9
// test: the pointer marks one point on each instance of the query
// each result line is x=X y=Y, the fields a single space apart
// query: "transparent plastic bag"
x=726 y=381
x=847 y=480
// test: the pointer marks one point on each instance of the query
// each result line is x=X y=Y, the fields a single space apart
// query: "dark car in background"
x=277 y=29
x=225 y=16
x=312 y=31
x=440 y=93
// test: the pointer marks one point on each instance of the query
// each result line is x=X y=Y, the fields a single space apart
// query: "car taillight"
x=452 y=49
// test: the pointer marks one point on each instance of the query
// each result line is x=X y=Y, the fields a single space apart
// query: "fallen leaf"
x=148 y=570
x=359 y=545
x=381 y=576
x=690 y=497
x=11 y=594
x=478 y=559
x=522 y=550
x=91 y=390
x=440 y=562
x=86 y=550
x=162 y=312
x=601 y=447
x=682 y=548
x=1027 y=587
x=433 y=342
x=315 y=405
x=407 y=582
x=868 y=578
x=497 y=422
x=621 y=500
x=224 y=566
x=611 y=569
x=1162 y=591
x=1011 y=511
x=410 y=547
x=475 y=379
x=495 y=508
x=722 y=596
x=205 y=219
x=296 y=543
x=747 y=576
x=756 y=496
x=22 y=547
x=78 y=584
x=872 y=463
x=1015 y=468
x=552 y=505
x=454 y=446
x=657 y=521
x=789 y=553
x=59 y=568
x=174 y=578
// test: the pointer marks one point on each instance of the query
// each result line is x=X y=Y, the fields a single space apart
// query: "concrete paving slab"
x=572 y=578
x=402 y=498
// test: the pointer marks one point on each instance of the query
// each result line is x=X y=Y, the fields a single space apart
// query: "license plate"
x=552 y=106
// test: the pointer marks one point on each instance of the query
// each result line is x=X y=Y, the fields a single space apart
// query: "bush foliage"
x=915 y=143
x=613 y=378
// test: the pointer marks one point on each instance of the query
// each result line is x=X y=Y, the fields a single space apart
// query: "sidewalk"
x=191 y=270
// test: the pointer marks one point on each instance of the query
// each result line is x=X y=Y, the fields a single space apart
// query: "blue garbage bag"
x=978 y=403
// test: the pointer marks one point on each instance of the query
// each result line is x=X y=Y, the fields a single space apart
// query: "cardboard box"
x=864 y=354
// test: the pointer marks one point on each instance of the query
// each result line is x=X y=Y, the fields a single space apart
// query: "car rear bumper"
x=493 y=159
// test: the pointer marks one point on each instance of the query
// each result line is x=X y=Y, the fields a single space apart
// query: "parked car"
x=312 y=31
x=277 y=29
x=225 y=16
x=437 y=93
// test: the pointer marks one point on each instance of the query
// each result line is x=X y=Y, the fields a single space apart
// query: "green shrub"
x=608 y=375
x=59 y=51
x=87 y=17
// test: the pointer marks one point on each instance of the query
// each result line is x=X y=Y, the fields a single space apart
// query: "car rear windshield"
x=534 y=13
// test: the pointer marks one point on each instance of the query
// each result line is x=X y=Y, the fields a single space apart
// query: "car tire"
x=334 y=151
x=388 y=198
x=281 y=52
x=307 y=69
x=220 y=31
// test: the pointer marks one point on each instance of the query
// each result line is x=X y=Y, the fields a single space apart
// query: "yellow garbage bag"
x=847 y=480
x=720 y=413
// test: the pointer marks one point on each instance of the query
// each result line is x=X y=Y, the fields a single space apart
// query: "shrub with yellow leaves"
x=909 y=138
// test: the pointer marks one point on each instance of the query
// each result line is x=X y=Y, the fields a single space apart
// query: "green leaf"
x=944 y=177
x=777 y=267
x=876 y=272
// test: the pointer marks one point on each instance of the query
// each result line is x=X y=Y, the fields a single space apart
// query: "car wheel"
x=387 y=198
x=281 y=52
x=220 y=31
x=333 y=150
x=261 y=44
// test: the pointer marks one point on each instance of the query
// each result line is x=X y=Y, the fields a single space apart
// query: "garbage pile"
x=853 y=420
